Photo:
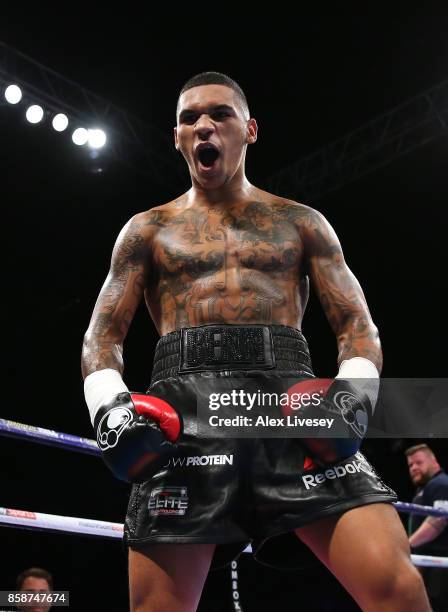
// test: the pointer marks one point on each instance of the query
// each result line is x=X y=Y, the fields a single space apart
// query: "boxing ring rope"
x=11 y=429
x=54 y=522
x=68 y=524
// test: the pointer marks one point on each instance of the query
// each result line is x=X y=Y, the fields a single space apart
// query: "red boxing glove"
x=136 y=433
x=159 y=410
x=336 y=399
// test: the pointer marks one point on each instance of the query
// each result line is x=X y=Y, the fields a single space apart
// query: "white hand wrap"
x=366 y=371
x=100 y=387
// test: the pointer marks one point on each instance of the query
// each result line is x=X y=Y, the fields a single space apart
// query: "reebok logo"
x=339 y=471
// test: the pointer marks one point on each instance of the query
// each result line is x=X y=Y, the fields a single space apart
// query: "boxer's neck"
x=227 y=194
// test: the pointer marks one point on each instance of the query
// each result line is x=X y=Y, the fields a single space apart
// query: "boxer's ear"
x=252 y=131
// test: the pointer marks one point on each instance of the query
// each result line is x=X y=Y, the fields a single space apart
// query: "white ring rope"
x=55 y=522
x=70 y=524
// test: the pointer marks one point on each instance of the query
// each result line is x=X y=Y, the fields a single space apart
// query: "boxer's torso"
x=238 y=264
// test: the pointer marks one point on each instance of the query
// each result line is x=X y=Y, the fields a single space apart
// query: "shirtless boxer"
x=228 y=265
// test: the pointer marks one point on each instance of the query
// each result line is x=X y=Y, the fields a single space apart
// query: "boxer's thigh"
x=168 y=577
x=366 y=548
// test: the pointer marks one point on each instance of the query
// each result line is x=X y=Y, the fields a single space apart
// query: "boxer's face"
x=421 y=467
x=212 y=134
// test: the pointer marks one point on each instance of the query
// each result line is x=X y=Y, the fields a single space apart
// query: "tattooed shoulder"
x=131 y=248
x=315 y=231
x=159 y=215
x=298 y=213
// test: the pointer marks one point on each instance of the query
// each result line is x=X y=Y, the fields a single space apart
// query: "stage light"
x=60 y=122
x=80 y=136
x=34 y=113
x=97 y=139
x=13 y=94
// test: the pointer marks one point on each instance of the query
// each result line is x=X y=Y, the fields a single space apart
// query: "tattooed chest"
x=182 y=257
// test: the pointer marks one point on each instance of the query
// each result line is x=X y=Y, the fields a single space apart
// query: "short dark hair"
x=35 y=572
x=216 y=78
x=419 y=447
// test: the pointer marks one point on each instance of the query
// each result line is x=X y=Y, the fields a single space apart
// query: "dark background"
x=309 y=80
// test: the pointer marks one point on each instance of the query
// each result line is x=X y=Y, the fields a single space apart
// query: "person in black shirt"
x=429 y=536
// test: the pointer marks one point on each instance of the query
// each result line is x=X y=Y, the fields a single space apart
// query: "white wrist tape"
x=367 y=373
x=357 y=367
x=100 y=387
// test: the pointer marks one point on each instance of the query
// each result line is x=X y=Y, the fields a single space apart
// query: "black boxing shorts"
x=236 y=491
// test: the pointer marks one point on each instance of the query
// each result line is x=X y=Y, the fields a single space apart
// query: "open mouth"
x=207 y=155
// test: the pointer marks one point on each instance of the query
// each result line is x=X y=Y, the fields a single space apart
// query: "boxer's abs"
x=225 y=270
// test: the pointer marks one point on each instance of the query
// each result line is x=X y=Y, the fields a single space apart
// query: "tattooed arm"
x=339 y=292
x=118 y=299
